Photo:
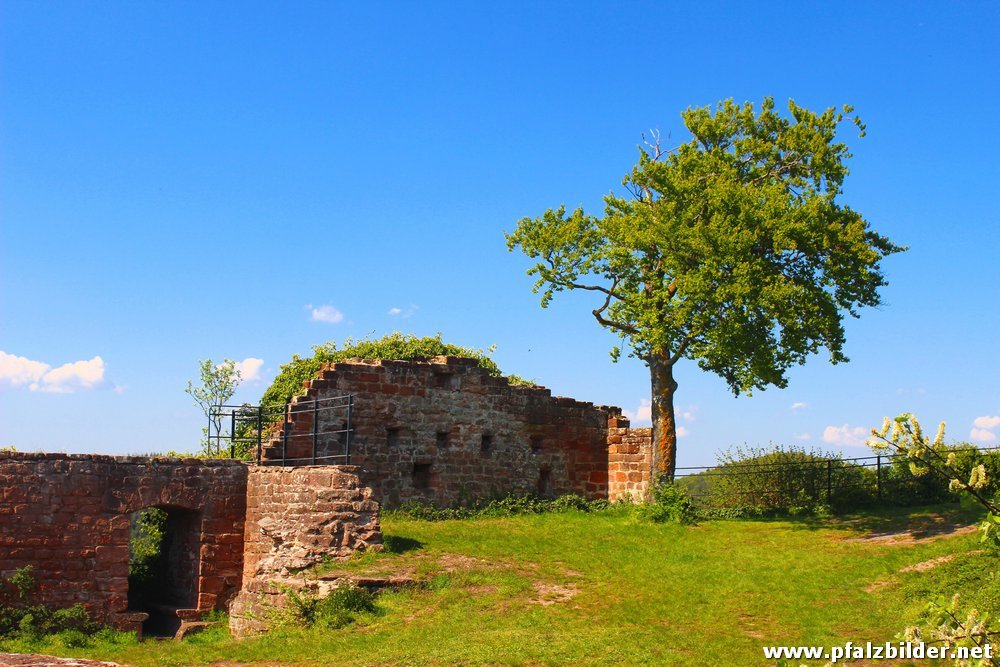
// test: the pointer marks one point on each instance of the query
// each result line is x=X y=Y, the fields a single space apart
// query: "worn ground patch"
x=928 y=564
x=918 y=534
x=35 y=660
x=548 y=593
x=748 y=626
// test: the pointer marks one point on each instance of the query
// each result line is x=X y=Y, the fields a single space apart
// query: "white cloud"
x=848 y=436
x=681 y=432
x=986 y=422
x=120 y=389
x=805 y=437
x=404 y=313
x=688 y=414
x=71 y=377
x=249 y=368
x=327 y=314
x=643 y=413
x=16 y=371
x=982 y=435
x=799 y=405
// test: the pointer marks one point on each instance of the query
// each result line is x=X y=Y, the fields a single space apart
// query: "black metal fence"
x=784 y=479
x=271 y=434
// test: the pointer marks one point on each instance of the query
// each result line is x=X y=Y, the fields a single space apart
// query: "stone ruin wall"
x=444 y=431
x=68 y=516
x=297 y=518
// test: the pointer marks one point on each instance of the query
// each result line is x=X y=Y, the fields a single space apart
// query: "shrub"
x=505 y=506
x=336 y=610
x=670 y=504
x=906 y=484
x=22 y=618
x=395 y=346
x=793 y=481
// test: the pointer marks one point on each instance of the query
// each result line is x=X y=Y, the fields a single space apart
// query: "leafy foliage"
x=907 y=484
x=334 y=611
x=218 y=384
x=759 y=482
x=394 y=346
x=905 y=435
x=149 y=526
x=766 y=482
x=20 y=617
x=671 y=504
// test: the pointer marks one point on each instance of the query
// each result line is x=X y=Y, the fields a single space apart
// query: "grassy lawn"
x=575 y=588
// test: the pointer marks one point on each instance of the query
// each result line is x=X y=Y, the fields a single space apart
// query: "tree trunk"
x=661 y=373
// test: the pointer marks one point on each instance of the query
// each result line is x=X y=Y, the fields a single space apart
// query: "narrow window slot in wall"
x=392 y=436
x=442 y=439
x=421 y=475
x=486 y=443
x=536 y=444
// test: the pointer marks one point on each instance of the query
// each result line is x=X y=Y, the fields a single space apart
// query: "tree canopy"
x=731 y=249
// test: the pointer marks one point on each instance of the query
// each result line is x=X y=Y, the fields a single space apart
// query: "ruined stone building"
x=445 y=431
x=440 y=431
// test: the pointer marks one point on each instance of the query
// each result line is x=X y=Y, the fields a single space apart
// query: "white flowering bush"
x=904 y=435
x=945 y=622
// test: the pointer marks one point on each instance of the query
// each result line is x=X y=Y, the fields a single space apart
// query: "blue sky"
x=188 y=180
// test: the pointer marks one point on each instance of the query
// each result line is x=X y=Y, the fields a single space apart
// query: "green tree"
x=731 y=250
x=218 y=384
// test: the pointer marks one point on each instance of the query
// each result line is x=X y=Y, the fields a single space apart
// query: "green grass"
x=615 y=591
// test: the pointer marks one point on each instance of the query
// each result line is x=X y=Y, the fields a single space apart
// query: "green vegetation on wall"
x=395 y=346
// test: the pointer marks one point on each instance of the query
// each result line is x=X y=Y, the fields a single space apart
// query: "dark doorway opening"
x=163 y=566
x=544 y=487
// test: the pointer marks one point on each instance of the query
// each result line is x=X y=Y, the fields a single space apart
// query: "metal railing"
x=253 y=431
x=776 y=482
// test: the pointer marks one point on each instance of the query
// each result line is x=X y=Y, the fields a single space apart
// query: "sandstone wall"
x=444 y=430
x=69 y=517
x=297 y=518
x=630 y=459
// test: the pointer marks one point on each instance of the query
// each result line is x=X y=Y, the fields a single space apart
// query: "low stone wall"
x=630 y=459
x=68 y=516
x=297 y=518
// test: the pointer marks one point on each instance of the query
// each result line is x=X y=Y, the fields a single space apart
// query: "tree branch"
x=627 y=328
x=592 y=288
x=680 y=351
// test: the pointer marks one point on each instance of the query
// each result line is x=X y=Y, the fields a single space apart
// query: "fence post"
x=878 y=477
x=350 y=428
x=829 y=480
x=232 y=434
x=284 y=436
x=315 y=427
x=260 y=420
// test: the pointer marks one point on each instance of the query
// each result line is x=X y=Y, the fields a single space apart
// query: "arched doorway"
x=163 y=566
